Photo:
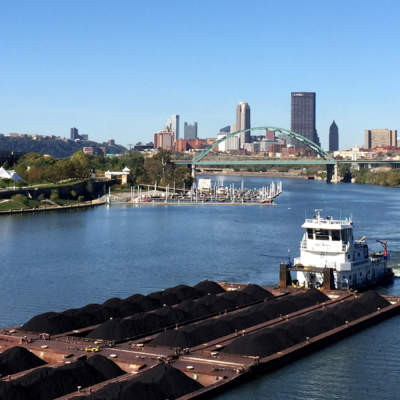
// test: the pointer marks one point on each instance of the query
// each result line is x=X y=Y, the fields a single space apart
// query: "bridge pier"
x=332 y=175
x=194 y=172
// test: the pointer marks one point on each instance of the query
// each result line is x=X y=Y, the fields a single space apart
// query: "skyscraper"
x=303 y=115
x=173 y=125
x=74 y=133
x=190 y=131
x=243 y=122
x=333 y=137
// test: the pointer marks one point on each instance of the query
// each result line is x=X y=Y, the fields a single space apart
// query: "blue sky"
x=119 y=69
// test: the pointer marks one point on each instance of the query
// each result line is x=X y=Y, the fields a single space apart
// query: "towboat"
x=328 y=251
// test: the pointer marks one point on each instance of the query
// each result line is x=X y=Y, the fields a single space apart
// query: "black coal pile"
x=49 y=383
x=274 y=339
x=146 y=323
x=190 y=336
x=158 y=383
x=142 y=323
x=176 y=294
x=209 y=287
x=18 y=359
x=256 y=292
x=92 y=314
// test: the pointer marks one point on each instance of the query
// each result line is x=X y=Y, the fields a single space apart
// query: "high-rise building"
x=333 y=137
x=74 y=133
x=173 y=125
x=243 y=122
x=303 y=115
x=164 y=139
x=190 y=131
x=380 y=138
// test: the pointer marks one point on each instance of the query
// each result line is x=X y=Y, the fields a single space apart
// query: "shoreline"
x=85 y=204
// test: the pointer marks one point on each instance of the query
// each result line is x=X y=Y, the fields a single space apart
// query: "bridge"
x=324 y=157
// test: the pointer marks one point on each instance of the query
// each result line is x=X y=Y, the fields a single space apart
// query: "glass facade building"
x=333 y=137
x=303 y=115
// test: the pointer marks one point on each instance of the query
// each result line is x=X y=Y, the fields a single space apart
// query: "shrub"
x=54 y=195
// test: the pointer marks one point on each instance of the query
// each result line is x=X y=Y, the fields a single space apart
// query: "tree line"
x=34 y=168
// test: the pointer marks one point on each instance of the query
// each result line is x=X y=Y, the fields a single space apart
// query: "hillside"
x=56 y=147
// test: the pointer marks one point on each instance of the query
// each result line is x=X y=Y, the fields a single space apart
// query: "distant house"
x=121 y=175
x=9 y=174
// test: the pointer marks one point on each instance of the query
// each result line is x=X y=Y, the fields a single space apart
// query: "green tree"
x=345 y=172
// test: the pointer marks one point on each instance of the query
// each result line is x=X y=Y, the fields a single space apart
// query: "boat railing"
x=328 y=221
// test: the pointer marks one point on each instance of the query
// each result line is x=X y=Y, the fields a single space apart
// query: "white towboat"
x=328 y=245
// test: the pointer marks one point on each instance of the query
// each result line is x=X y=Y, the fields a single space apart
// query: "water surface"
x=67 y=259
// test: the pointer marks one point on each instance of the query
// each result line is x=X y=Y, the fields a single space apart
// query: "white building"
x=230 y=144
x=354 y=154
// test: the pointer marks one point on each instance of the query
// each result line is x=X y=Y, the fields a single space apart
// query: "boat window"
x=335 y=235
x=347 y=235
x=310 y=233
x=321 y=234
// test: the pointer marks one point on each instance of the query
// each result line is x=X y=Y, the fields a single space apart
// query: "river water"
x=67 y=259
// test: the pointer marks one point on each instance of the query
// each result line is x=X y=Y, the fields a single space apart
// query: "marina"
x=204 y=192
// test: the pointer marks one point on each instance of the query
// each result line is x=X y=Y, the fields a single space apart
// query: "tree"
x=345 y=172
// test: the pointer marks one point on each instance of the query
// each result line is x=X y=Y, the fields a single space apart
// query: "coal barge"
x=186 y=342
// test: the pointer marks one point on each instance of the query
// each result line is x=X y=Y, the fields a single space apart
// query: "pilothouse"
x=328 y=244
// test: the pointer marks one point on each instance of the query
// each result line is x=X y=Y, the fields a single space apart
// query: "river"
x=67 y=259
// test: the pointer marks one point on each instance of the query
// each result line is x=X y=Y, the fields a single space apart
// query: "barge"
x=202 y=339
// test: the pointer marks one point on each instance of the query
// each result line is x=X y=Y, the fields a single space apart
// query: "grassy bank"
x=21 y=202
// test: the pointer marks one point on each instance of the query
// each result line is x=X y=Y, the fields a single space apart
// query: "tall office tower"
x=74 y=133
x=173 y=125
x=190 y=131
x=243 y=122
x=303 y=115
x=333 y=137
x=380 y=138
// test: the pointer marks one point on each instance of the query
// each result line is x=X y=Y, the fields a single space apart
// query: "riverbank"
x=78 y=205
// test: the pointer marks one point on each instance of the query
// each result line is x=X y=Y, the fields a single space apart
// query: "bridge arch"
x=307 y=142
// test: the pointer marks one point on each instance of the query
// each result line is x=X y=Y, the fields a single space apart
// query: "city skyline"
x=126 y=89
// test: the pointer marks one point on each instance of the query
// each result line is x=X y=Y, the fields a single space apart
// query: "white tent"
x=9 y=174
